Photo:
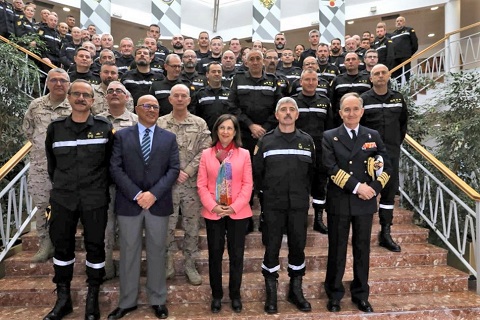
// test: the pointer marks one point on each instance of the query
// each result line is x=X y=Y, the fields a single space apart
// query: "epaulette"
x=269 y=132
x=304 y=133
x=271 y=74
x=320 y=79
x=101 y=119
x=59 y=119
x=322 y=95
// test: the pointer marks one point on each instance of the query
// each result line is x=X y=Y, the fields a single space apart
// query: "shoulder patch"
x=101 y=119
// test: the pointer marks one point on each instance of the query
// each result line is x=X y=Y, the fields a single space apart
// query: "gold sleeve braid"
x=383 y=179
x=371 y=167
x=341 y=178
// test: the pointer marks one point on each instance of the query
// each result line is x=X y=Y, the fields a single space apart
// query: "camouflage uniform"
x=100 y=104
x=127 y=119
x=193 y=137
x=35 y=122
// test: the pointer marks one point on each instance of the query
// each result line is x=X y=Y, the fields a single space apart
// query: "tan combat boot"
x=45 y=250
x=192 y=273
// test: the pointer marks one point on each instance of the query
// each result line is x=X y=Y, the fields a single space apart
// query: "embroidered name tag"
x=369 y=145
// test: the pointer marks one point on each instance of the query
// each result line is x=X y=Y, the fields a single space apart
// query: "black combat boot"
x=92 y=310
x=295 y=295
x=385 y=239
x=63 y=306
x=271 y=300
x=318 y=224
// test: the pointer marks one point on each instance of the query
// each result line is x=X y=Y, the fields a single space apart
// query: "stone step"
x=438 y=305
x=316 y=258
x=38 y=291
x=401 y=233
x=463 y=305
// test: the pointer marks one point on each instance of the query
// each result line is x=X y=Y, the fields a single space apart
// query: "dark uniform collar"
x=248 y=75
x=69 y=122
x=278 y=133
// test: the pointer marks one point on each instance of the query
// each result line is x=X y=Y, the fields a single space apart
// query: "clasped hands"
x=257 y=131
x=146 y=199
x=365 y=192
x=223 y=211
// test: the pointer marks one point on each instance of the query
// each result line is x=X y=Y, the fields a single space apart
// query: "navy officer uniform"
x=349 y=160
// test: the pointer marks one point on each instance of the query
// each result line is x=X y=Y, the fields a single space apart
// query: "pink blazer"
x=242 y=183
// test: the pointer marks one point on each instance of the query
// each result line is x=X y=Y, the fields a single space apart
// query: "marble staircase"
x=413 y=284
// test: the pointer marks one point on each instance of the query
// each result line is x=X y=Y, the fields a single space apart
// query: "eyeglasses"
x=148 y=106
x=62 y=81
x=176 y=66
x=85 y=95
x=117 y=91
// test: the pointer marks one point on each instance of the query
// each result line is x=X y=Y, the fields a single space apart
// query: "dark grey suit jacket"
x=131 y=175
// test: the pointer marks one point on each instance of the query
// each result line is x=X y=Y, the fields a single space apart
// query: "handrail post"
x=477 y=243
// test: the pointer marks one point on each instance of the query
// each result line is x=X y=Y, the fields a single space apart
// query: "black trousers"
x=338 y=231
x=319 y=183
x=387 y=200
x=63 y=226
x=235 y=232
x=320 y=177
x=295 y=221
x=407 y=68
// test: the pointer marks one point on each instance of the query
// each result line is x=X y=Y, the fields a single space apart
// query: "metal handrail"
x=28 y=52
x=462 y=185
x=12 y=163
x=439 y=42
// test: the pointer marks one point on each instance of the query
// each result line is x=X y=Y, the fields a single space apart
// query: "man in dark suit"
x=144 y=166
x=354 y=157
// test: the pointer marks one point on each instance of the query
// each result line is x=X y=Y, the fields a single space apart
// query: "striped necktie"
x=146 y=145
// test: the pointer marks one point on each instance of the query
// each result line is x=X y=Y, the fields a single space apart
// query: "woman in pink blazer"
x=225 y=185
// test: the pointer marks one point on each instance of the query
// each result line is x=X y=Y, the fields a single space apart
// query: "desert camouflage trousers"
x=187 y=200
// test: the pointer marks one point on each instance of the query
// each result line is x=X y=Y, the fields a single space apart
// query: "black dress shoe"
x=363 y=305
x=120 y=313
x=333 y=305
x=216 y=305
x=237 y=305
x=161 y=312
